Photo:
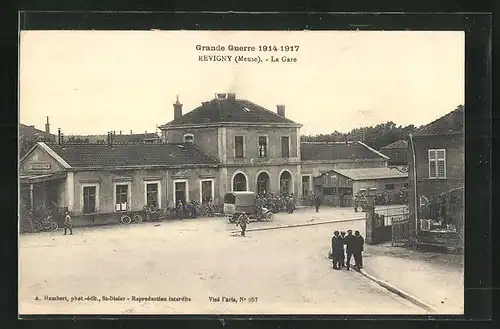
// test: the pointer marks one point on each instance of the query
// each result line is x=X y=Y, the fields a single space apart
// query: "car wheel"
x=125 y=219
x=137 y=218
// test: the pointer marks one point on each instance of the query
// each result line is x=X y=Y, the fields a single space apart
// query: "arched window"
x=239 y=182
x=286 y=182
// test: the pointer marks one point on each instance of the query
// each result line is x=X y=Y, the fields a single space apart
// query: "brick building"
x=436 y=173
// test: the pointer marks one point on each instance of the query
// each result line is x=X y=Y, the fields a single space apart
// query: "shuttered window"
x=437 y=163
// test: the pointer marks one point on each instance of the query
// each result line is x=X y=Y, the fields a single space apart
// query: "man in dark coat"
x=291 y=204
x=350 y=242
x=317 y=202
x=337 y=250
x=358 y=251
x=342 y=255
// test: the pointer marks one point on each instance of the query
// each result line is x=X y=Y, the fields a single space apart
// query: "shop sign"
x=40 y=166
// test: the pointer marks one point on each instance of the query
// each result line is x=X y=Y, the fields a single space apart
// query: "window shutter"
x=441 y=163
x=432 y=164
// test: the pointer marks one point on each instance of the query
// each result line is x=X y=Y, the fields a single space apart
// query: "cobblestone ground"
x=286 y=270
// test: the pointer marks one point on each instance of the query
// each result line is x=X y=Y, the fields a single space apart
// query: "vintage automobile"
x=236 y=203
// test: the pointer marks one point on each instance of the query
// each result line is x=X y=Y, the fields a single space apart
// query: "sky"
x=92 y=82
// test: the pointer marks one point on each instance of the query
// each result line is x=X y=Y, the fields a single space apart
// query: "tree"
x=375 y=136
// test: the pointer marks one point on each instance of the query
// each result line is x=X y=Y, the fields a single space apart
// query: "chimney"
x=280 y=109
x=120 y=132
x=59 y=136
x=130 y=131
x=177 y=109
x=47 y=126
x=110 y=138
x=231 y=96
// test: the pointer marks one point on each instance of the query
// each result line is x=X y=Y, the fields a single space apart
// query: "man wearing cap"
x=337 y=250
x=242 y=222
x=67 y=224
x=358 y=251
x=350 y=241
x=342 y=254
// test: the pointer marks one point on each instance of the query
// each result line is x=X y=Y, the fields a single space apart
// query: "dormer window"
x=188 y=138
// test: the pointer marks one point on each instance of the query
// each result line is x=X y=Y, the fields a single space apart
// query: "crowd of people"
x=345 y=247
x=275 y=202
x=193 y=209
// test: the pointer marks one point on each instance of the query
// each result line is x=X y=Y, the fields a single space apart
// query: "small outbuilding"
x=338 y=186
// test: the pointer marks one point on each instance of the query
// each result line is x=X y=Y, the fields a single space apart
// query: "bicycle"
x=126 y=219
x=46 y=224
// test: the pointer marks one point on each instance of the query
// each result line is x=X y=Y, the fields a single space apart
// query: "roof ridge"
x=449 y=114
x=388 y=146
x=374 y=150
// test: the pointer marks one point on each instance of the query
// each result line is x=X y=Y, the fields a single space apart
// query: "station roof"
x=229 y=111
x=371 y=173
x=122 y=155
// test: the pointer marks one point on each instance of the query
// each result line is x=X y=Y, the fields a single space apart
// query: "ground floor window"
x=180 y=192
x=443 y=213
x=121 y=197
x=152 y=194
x=306 y=188
x=89 y=199
x=286 y=182
x=329 y=190
x=206 y=191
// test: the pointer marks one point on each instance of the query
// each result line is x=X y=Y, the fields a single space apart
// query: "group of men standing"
x=350 y=245
x=275 y=202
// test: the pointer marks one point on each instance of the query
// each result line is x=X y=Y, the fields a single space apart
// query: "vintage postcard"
x=241 y=172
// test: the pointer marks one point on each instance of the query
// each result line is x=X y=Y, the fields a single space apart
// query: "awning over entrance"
x=38 y=178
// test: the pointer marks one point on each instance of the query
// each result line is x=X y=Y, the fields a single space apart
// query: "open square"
x=282 y=271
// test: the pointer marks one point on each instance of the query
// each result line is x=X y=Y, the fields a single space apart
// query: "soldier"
x=350 y=242
x=243 y=222
x=259 y=204
x=358 y=251
x=290 y=203
x=363 y=203
x=356 y=202
x=68 y=224
x=180 y=210
x=317 y=202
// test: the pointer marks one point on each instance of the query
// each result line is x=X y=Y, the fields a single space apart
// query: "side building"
x=94 y=181
x=318 y=158
x=436 y=174
x=338 y=186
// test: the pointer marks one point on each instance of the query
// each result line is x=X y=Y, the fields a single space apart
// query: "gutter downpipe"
x=414 y=181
